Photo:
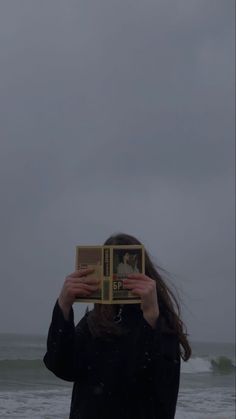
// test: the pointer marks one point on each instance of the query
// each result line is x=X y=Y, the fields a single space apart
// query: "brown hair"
x=100 y=319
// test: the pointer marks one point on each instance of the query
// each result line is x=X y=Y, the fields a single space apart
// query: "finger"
x=133 y=283
x=138 y=276
x=90 y=287
x=151 y=284
x=85 y=272
x=80 y=272
x=82 y=293
x=76 y=292
x=137 y=291
x=94 y=280
x=87 y=287
x=142 y=290
x=83 y=279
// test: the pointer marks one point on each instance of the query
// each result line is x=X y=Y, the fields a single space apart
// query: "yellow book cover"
x=111 y=264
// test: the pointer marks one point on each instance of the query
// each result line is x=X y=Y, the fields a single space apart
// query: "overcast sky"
x=117 y=116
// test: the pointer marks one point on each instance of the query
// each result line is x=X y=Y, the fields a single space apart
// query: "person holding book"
x=126 y=369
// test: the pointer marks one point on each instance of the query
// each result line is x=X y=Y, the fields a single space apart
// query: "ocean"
x=28 y=390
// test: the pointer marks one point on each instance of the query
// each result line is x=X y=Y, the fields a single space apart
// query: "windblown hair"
x=101 y=318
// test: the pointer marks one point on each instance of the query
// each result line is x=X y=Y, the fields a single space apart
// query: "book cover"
x=111 y=264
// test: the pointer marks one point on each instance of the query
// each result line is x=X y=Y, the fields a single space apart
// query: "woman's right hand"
x=76 y=285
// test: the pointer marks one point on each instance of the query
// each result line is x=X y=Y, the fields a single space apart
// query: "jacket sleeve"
x=65 y=355
x=159 y=364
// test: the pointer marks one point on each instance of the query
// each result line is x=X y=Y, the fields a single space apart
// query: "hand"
x=76 y=285
x=145 y=288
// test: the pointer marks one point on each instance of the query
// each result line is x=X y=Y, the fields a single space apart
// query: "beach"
x=28 y=390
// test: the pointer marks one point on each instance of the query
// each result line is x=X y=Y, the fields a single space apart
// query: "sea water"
x=28 y=390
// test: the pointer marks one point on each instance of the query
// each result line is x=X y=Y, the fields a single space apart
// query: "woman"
x=124 y=360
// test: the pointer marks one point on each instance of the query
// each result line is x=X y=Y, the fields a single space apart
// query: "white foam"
x=196 y=365
x=209 y=403
x=40 y=404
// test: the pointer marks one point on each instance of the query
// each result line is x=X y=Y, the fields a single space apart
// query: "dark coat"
x=135 y=376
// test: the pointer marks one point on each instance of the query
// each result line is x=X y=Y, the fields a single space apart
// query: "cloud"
x=116 y=116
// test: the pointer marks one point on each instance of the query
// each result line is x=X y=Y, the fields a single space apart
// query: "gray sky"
x=117 y=116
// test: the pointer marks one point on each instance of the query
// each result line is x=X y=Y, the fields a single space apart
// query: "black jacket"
x=135 y=376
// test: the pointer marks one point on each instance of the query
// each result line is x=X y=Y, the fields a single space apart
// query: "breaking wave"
x=220 y=365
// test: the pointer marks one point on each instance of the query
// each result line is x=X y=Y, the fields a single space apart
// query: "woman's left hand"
x=145 y=288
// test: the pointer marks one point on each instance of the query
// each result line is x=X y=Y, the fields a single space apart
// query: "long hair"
x=101 y=318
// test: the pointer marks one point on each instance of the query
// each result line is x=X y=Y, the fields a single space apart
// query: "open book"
x=111 y=264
